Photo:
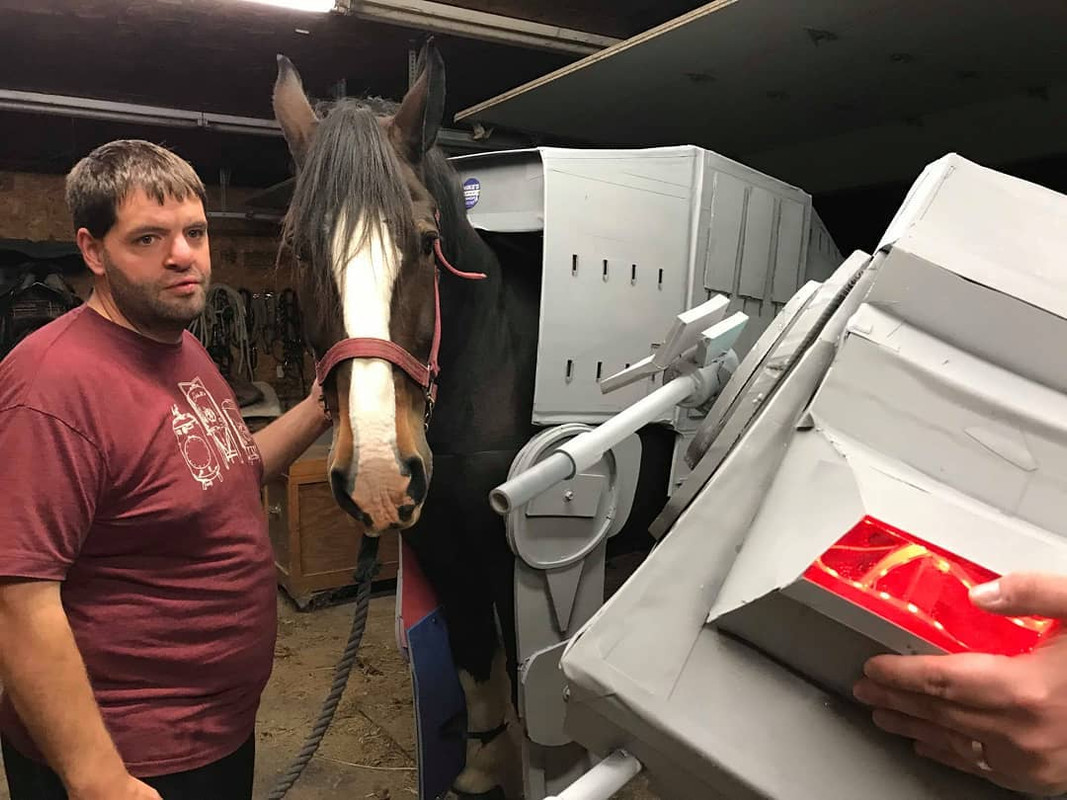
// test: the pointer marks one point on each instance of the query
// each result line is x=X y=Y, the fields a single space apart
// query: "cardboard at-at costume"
x=922 y=387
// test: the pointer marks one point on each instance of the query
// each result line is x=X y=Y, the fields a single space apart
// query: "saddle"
x=29 y=301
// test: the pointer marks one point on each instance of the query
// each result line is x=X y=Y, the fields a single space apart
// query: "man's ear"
x=92 y=250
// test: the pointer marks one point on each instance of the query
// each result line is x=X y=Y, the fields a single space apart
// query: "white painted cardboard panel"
x=631 y=239
x=756 y=258
x=1001 y=232
x=998 y=328
x=927 y=402
x=792 y=241
x=823 y=256
x=628 y=222
x=506 y=190
x=728 y=196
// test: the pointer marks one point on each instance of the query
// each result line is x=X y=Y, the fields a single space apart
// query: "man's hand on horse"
x=1002 y=718
x=318 y=399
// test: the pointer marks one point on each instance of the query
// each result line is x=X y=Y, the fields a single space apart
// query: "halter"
x=424 y=374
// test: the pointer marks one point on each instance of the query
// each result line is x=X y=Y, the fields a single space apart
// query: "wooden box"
x=315 y=543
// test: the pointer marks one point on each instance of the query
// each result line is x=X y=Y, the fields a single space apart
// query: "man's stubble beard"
x=147 y=307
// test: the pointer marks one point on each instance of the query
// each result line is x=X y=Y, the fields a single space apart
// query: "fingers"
x=928 y=733
x=968 y=722
x=1024 y=594
x=953 y=759
x=979 y=763
x=975 y=680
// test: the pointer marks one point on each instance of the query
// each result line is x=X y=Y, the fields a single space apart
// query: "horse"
x=426 y=348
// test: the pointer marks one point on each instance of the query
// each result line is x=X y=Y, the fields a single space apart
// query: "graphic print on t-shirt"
x=229 y=408
x=211 y=437
x=207 y=410
x=193 y=444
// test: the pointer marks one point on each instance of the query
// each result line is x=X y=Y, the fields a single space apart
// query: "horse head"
x=363 y=229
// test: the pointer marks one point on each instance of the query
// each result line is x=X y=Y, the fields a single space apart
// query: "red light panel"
x=923 y=589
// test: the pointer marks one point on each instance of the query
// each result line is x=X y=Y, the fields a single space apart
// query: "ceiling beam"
x=426 y=15
x=454 y=141
x=89 y=108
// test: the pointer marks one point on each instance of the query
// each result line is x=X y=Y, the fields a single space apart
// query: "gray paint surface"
x=631 y=239
x=910 y=416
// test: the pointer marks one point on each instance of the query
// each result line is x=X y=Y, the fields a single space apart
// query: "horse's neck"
x=488 y=359
x=474 y=312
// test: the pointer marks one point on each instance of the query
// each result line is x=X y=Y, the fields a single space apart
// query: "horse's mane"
x=351 y=166
x=462 y=243
x=460 y=240
x=349 y=169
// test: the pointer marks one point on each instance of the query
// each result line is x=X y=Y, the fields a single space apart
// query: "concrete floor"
x=368 y=752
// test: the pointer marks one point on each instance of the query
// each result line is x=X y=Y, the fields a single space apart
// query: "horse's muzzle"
x=380 y=495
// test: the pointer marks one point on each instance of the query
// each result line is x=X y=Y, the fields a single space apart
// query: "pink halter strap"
x=424 y=374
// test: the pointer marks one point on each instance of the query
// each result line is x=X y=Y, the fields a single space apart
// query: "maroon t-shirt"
x=127 y=473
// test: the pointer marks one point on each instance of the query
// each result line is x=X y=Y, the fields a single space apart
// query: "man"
x=137 y=594
x=1002 y=718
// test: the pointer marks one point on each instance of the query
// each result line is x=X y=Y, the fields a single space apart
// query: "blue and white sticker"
x=472 y=192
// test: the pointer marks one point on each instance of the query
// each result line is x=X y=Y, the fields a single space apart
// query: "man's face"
x=156 y=261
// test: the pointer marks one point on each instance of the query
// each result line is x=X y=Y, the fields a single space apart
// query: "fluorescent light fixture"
x=319 y=6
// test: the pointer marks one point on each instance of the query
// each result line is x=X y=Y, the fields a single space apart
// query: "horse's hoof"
x=493 y=770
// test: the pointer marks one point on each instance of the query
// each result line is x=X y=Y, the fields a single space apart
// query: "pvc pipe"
x=603 y=780
x=531 y=482
x=584 y=450
x=589 y=448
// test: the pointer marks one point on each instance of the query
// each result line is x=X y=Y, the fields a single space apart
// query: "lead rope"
x=366 y=568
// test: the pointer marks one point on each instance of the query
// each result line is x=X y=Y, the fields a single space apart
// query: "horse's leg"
x=458 y=544
x=493 y=763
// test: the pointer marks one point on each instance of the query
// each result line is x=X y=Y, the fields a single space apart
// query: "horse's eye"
x=428 y=240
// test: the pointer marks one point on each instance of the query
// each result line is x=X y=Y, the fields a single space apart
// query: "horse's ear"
x=419 y=117
x=292 y=110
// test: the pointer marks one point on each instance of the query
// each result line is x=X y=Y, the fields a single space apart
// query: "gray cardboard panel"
x=990 y=324
x=791 y=243
x=997 y=231
x=506 y=191
x=620 y=216
x=759 y=243
x=632 y=238
x=827 y=483
x=923 y=402
x=723 y=258
x=966 y=423
x=823 y=256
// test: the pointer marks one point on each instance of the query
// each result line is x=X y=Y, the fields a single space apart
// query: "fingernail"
x=859 y=691
x=987 y=594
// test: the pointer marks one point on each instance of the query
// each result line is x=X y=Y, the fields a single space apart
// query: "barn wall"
x=32 y=207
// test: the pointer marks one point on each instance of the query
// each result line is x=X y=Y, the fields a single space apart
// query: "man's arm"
x=286 y=439
x=44 y=674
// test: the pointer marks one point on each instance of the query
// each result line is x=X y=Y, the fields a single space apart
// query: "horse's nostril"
x=340 y=483
x=342 y=493
x=417 y=486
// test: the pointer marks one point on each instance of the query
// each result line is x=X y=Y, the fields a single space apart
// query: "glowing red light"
x=923 y=589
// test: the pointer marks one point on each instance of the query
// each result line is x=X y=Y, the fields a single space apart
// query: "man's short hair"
x=100 y=182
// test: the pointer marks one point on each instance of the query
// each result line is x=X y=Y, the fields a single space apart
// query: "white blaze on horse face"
x=365 y=284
